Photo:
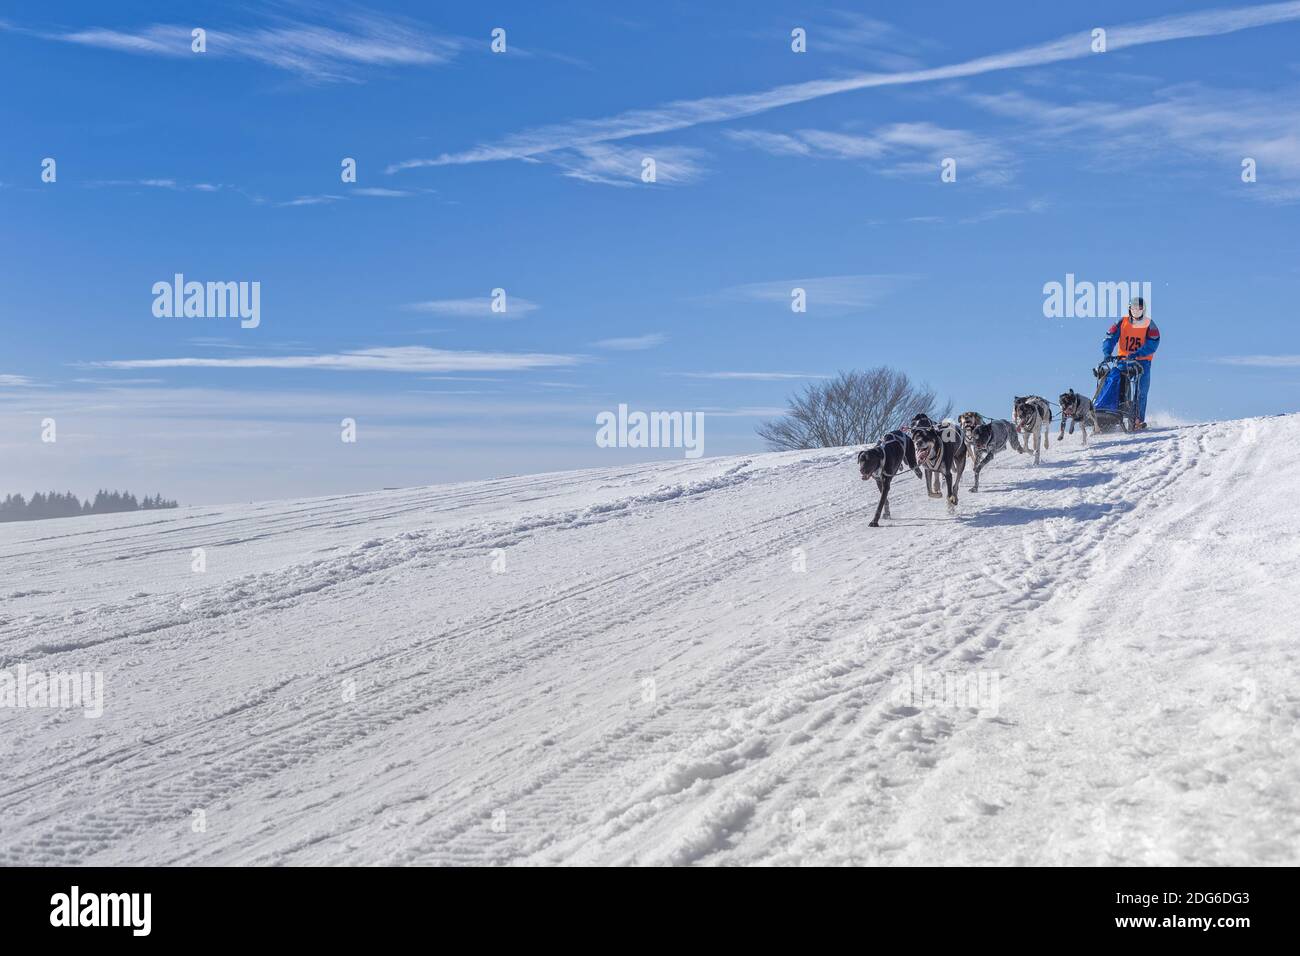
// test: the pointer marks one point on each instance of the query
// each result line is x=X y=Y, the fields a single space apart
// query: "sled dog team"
x=933 y=450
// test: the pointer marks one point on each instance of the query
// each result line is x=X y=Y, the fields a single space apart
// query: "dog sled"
x=1115 y=400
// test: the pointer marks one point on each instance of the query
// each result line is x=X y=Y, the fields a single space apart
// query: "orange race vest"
x=1132 y=336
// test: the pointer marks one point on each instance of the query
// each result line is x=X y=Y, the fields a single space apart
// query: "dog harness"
x=902 y=458
x=1041 y=414
x=1078 y=406
x=946 y=434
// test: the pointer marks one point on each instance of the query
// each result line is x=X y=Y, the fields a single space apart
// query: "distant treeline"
x=55 y=505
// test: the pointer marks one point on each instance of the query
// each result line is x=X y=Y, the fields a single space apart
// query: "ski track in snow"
x=649 y=680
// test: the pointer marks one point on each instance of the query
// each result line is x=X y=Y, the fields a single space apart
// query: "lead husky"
x=1077 y=408
x=940 y=450
x=883 y=461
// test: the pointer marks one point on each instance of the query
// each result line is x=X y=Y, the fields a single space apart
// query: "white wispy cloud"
x=214 y=402
x=1260 y=361
x=865 y=38
x=244 y=443
x=778 y=144
x=463 y=378
x=15 y=381
x=315 y=51
x=1188 y=120
x=172 y=185
x=368 y=192
x=750 y=412
x=632 y=343
x=474 y=308
x=899 y=148
x=119 y=382
x=219 y=342
x=623 y=165
x=513 y=50
x=682 y=114
x=407 y=358
x=158 y=183
x=317 y=200
x=1033 y=207
x=752 y=376
x=825 y=295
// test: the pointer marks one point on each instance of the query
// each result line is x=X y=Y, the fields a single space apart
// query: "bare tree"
x=854 y=408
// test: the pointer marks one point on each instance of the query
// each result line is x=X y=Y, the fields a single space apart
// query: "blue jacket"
x=1148 y=348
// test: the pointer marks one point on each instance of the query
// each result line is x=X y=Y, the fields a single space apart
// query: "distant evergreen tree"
x=54 y=504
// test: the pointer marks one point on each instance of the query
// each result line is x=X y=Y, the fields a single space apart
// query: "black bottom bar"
x=337 y=906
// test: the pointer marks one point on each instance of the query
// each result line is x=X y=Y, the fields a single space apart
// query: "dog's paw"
x=874 y=524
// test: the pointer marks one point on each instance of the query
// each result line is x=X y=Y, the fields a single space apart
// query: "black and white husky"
x=1032 y=416
x=931 y=478
x=883 y=461
x=940 y=450
x=1077 y=408
x=985 y=438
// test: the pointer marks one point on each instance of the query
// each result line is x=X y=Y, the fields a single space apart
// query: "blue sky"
x=522 y=171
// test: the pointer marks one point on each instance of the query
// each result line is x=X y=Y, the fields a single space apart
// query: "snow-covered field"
x=712 y=661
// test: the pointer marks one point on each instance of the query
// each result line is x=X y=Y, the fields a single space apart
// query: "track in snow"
x=650 y=680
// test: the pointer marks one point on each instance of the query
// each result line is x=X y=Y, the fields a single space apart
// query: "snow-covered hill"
x=716 y=661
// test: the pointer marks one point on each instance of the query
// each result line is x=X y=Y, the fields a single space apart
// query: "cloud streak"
x=1261 y=361
x=1222 y=126
x=751 y=376
x=317 y=52
x=682 y=114
x=159 y=183
x=370 y=192
x=408 y=358
x=824 y=295
x=632 y=343
x=623 y=166
x=475 y=308
x=908 y=148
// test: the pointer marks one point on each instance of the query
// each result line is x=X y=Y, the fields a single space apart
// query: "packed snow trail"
x=687 y=662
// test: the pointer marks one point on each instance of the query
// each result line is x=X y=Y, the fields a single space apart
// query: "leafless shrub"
x=854 y=408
